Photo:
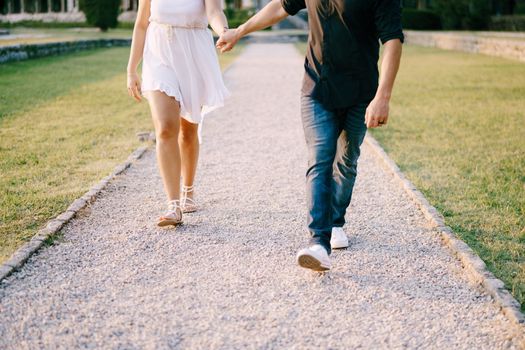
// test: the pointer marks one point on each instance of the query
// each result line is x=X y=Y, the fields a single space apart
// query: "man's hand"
x=228 y=40
x=377 y=112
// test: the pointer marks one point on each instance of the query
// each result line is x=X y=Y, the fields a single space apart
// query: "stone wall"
x=493 y=45
x=24 y=52
x=44 y=17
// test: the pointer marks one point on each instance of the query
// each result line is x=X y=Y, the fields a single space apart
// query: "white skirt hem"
x=207 y=107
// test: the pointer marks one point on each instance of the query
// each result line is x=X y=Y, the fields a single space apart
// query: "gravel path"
x=227 y=279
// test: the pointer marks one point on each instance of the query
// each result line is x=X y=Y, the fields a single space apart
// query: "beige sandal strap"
x=187 y=189
x=186 y=201
x=174 y=204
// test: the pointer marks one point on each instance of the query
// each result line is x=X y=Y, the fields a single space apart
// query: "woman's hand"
x=134 y=86
x=272 y=13
x=228 y=40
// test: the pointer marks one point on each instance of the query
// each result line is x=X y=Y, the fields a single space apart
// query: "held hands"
x=228 y=40
x=134 y=86
x=377 y=112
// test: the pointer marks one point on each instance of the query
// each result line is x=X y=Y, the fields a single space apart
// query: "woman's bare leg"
x=165 y=112
x=189 y=146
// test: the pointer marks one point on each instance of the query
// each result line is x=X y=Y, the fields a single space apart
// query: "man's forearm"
x=389 y=68
x=268 y=16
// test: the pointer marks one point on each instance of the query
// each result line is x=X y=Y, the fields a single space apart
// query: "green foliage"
x=229 y=4
x=101 y=13
x=508 y=23
x=409 y=4
x=506 y=7
x=420 y=19
x=237 y=17
x=478 y=14
x=126 y=25
x=416 y=4
x=520 y=8
x=464 y=14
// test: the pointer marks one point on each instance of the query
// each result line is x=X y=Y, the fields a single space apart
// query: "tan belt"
x=171 y=27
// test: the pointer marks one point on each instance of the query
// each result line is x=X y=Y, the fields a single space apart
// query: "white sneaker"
x=315 y=258
x=339 y=239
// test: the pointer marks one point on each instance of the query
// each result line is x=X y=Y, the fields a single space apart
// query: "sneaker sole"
x=165 y=223
x=309 y=262
x=339 y=245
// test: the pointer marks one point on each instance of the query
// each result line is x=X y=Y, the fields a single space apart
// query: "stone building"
x=68 y=10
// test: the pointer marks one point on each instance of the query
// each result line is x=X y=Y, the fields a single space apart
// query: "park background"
x=456 y=129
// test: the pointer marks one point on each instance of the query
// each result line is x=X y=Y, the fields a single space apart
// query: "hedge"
x=463 y=14
x=420 y=19
x=42 y=24
x=507 y=23
x=28 y=51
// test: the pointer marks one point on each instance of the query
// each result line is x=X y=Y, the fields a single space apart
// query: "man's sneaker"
x=339 y=239
x=315 y=258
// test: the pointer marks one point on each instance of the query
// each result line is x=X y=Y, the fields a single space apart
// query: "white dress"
x=180 y=58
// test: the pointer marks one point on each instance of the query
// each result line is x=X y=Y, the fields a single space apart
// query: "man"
x=341 y=97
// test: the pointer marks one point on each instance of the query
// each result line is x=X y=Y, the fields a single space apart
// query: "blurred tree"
x=464 y=14
x=101 y=13
x=504 y=7
x=409 y=3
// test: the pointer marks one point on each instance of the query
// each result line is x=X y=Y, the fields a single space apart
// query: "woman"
x=341 y=97
x=182 y=81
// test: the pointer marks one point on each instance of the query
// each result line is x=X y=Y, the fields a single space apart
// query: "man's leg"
x=345 y=164
x=321 y=129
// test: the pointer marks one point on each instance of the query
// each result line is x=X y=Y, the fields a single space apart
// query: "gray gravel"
x=227 y=279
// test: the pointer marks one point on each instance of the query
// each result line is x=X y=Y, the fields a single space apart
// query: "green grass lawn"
x=65 y=122
x=457 y=130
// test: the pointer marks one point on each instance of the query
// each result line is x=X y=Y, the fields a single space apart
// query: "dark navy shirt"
x=341 y=61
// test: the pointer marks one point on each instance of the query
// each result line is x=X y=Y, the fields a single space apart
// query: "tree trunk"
x=421 y=4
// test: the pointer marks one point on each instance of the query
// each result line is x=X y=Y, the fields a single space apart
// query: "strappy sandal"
x=188 y=204
x=173 y=216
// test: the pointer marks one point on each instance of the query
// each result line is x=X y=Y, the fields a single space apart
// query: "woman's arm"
x=137 y=48
x=268 y=16
x=216 y=16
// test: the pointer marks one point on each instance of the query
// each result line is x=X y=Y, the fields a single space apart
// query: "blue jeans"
x=333 y=139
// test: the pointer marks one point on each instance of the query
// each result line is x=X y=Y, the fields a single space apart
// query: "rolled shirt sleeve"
x=387 y=20
x=293 y=6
